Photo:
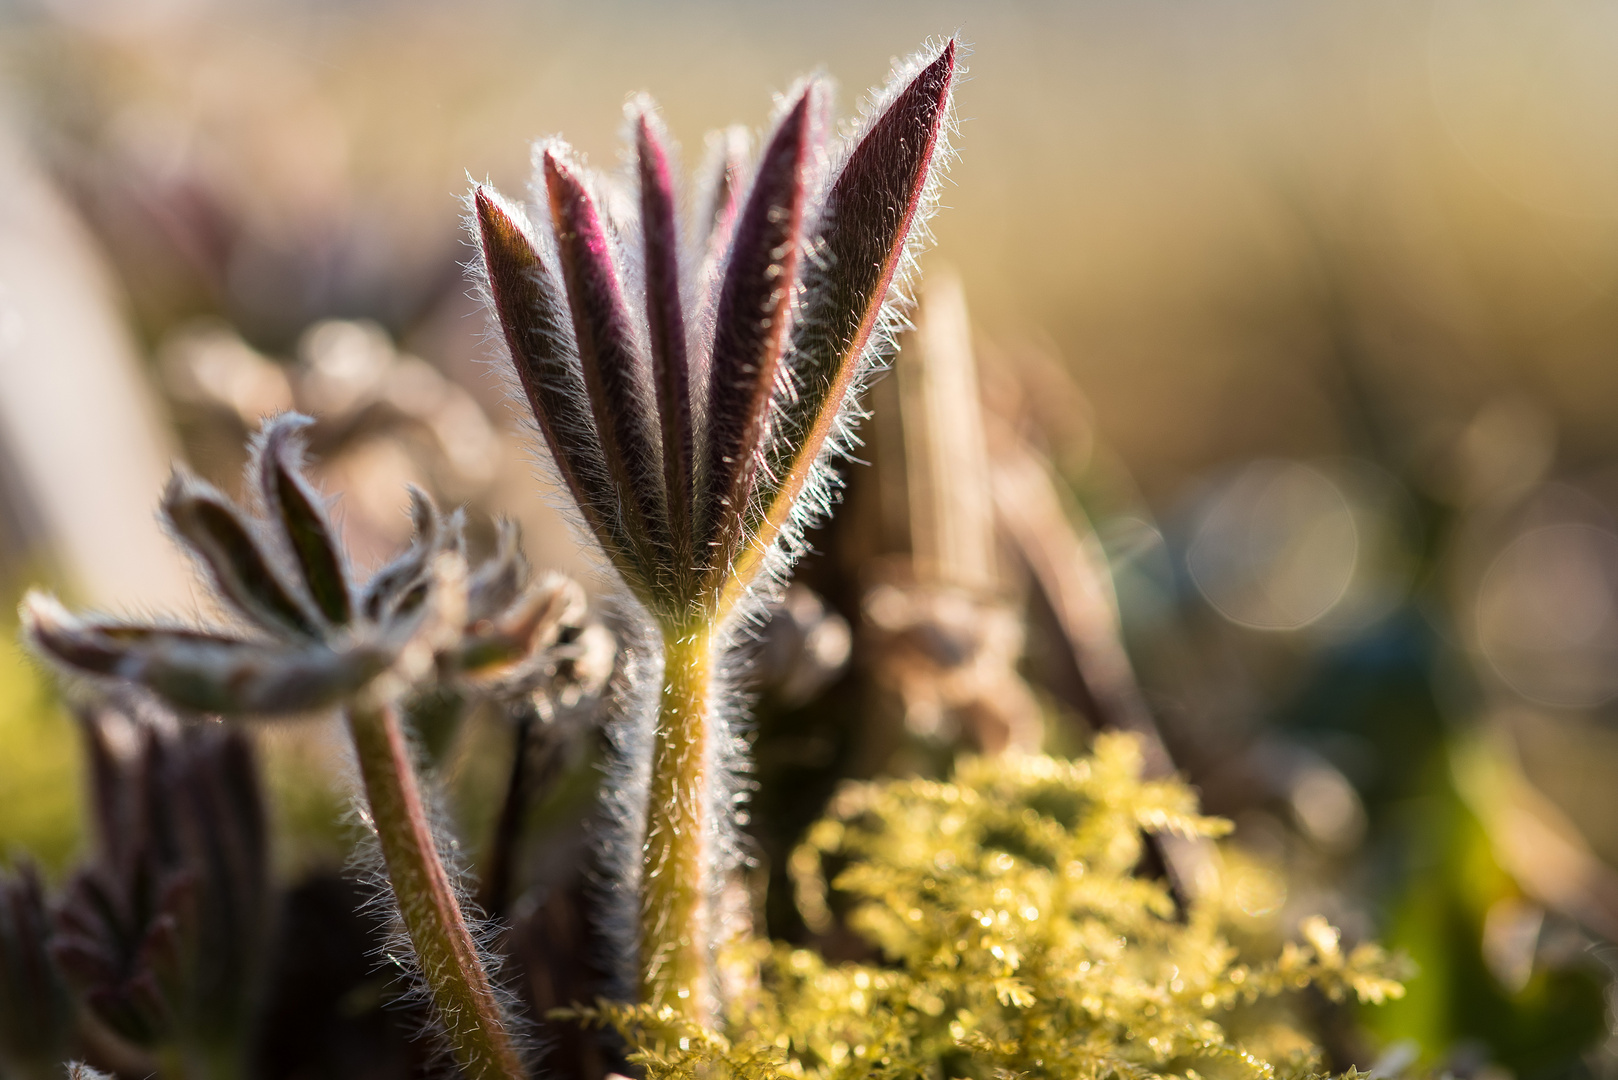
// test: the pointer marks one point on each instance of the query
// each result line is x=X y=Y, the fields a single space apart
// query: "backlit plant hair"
x=691 y=386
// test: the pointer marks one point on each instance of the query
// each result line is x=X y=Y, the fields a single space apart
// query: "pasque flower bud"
x=690 y=383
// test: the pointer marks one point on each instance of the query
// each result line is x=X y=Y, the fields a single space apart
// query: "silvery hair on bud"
x=691 y=383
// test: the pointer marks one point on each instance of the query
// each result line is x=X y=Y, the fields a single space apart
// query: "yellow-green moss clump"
x=40 y=781
x=1015 y=941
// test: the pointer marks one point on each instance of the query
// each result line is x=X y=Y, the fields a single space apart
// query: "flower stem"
x=674 y=952
x=462 y=996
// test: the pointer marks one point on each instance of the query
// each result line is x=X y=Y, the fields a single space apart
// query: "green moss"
x=1535 y=1029
x=40 y=775
x=1015 y=941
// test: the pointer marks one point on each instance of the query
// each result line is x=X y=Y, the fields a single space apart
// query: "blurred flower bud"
x=36 y=1013
x=802 y=648
x=952 y=658
x=163 y=934
x=315 y=637
x=524 y=637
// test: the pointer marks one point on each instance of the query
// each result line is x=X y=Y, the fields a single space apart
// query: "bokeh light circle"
x=1547 y=615
x=1276 y=547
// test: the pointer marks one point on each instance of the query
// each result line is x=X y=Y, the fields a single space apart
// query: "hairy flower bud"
x=36 y=1014
x=164 y=934
x=692 y=441
x=692 y=423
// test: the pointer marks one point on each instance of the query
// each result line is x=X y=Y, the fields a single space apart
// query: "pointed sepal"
x=532 y=308
x=293 y=504
x=753 y=318
x=617 y=376
x=202 y=671
x=241 y=569
x=866 y=229
x=665 y=320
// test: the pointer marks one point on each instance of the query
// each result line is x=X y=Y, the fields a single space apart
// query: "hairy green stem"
x=462 y=995
x=674 y=918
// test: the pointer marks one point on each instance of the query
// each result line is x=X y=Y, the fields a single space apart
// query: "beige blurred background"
x=1182 y=199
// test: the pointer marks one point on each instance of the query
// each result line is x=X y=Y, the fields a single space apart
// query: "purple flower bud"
x=532 y=309
x=36 y=1014
x=164 y=934
x=863 y=234
x=617 y=375
x=665 y=318
x=733 y=401
x=800 y=287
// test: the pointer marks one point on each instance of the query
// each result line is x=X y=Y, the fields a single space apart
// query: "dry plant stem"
x=674 y=886
x=1078 y=585
x=462 y=996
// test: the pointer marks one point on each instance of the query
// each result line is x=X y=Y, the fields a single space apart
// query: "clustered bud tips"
x=164 y=934
x=302 y=646
x=36 y=1013
x=688 y=428
x=523 y=637
x=311 y=635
